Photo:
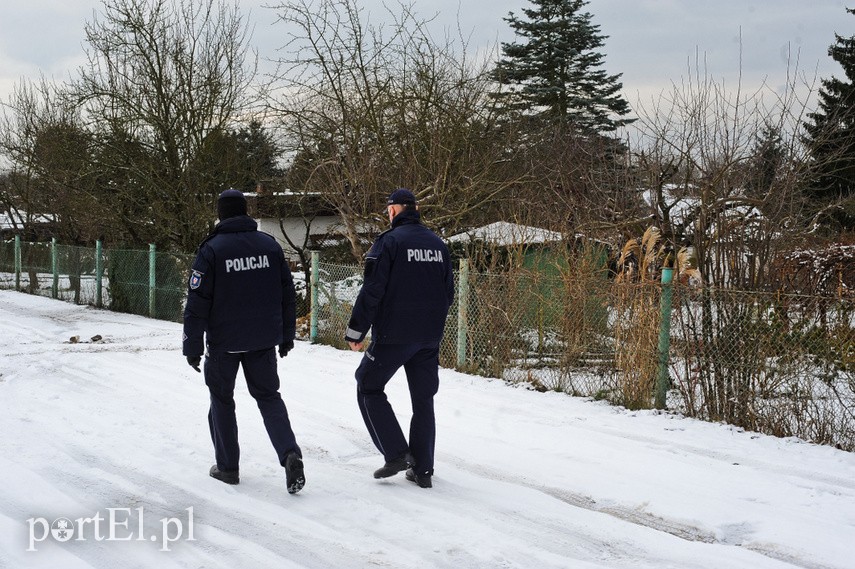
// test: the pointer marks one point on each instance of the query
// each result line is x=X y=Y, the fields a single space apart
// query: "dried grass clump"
x=637 y=312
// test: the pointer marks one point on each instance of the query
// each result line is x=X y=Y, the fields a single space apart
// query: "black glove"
x=285 y=347
x=194 y=362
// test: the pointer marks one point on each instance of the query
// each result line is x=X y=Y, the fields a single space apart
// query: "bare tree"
x=723 y=172
x=163 y=81
x=49 y=155
x=576 y=183
x=368 y=108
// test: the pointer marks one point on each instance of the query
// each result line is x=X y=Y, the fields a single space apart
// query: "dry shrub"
x=583 y=314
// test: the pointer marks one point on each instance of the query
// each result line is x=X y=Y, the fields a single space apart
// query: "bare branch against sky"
x=651 y=42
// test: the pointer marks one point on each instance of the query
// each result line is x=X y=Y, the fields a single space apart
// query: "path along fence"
x=776 y=363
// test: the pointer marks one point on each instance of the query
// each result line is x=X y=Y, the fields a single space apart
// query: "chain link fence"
x=773 y=363
x=781 y=364
x=133 y=281
x=334 y=291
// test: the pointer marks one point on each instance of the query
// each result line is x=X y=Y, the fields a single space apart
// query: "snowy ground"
x=523 y=479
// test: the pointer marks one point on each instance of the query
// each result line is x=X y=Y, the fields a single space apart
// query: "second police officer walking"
x=404 y=300
x=241 y=298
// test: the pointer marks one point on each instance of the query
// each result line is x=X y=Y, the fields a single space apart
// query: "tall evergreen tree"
x=831 y=138
x=767 y=159
x=555 y=73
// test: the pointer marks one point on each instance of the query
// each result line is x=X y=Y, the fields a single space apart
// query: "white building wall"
x=295 y=228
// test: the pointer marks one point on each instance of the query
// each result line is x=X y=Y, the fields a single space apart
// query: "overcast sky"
x=652 y=43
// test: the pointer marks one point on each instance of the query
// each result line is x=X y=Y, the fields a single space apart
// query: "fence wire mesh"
x=71 y=273
x=129 y=283
x=337 y=287
x=774 y=363
x=781 y=364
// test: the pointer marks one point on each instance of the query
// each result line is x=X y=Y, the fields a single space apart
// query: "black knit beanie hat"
x=231 y=203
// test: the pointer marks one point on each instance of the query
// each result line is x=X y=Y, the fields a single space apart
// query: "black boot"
x=227 y=476
x=393 y=467
x=295 y=479
x=423 y=480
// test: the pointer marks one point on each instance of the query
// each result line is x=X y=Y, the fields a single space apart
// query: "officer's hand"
x=194 y=362
x=285 y=347
x=355 y=346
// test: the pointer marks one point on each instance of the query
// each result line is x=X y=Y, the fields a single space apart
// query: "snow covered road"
x=118 y=428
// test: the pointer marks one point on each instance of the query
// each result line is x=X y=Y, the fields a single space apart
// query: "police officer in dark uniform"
x=241 y=297
x=407 y=291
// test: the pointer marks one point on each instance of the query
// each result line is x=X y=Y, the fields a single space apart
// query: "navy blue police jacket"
x=240 y=293
x=408 y=286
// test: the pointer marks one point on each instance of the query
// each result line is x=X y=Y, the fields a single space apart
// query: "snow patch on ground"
x=523 y=479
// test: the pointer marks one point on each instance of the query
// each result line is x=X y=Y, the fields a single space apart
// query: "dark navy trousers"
x=421 y=364
x=259 y=368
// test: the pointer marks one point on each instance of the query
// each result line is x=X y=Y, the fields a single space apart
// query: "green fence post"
x=17 y=262
x=54 y=266
x=99 y=273
x=663 y=382
x=462 y=312
x=152 y=261
x=313 y=295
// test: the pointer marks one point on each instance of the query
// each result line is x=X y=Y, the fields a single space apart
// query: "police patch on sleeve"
x=195 y=279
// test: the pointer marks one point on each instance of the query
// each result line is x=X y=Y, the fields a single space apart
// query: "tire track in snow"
x=725 y=457
x=683 y=531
